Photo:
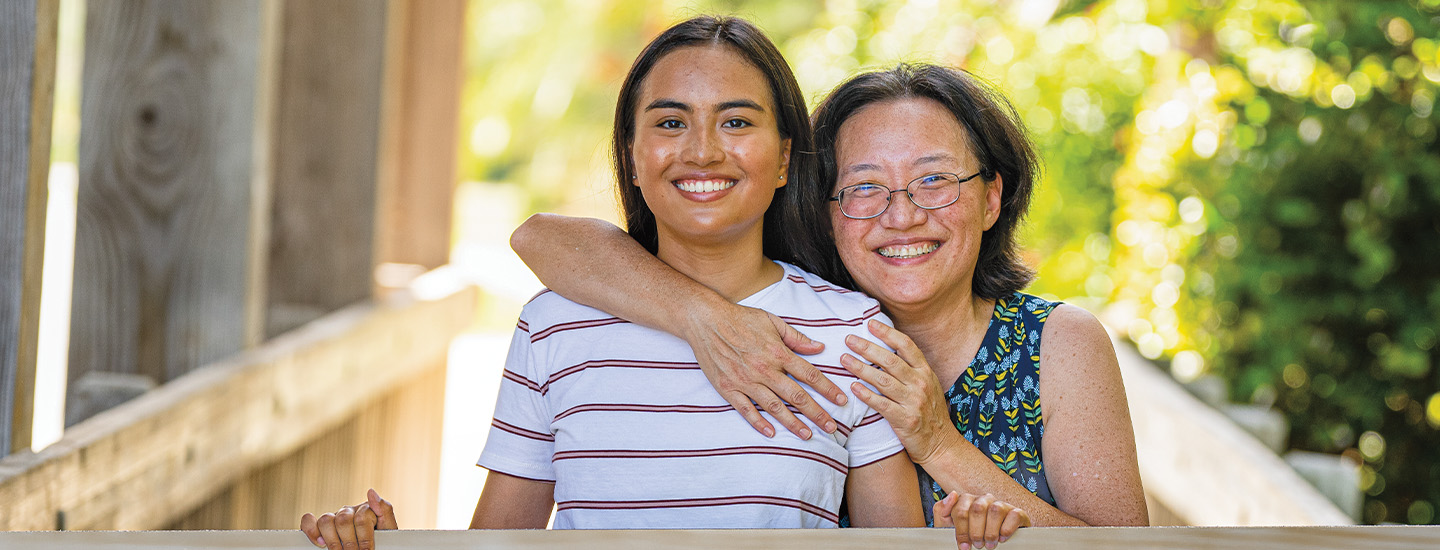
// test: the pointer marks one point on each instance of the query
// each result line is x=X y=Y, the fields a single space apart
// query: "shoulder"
x=548 y=309
x=1076 y=354
x=809 y=293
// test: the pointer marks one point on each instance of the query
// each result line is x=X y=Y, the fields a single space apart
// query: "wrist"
x=696 y=318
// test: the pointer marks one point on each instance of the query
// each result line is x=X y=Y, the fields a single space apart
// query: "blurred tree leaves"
x=1249 y=187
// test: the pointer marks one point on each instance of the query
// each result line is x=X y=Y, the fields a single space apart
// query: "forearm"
x=597 y=264
x=883 y=494
x=959 y=466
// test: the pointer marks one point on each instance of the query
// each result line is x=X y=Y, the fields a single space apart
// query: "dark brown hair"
x=997 y=138
x=786 y=237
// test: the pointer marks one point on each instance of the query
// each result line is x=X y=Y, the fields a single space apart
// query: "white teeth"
x=908 y=250
x=704 y=186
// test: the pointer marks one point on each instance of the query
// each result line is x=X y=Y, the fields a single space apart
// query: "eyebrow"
x=928 y=159
x=664 y=103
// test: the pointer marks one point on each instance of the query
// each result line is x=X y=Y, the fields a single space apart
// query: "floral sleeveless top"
x=996 y=402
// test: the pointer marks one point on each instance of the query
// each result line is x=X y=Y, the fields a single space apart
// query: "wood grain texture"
x=392 y=445
x=327 y=126
x=146 y=463
x=166 y=165
x=28 y=32
x=1035 y=538
x=1205 y=470
x=419 y=143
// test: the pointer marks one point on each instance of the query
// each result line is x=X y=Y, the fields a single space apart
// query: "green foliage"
x=1249 y=186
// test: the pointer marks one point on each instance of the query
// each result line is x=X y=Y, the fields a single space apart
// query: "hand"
x=746 y=354
x=352 y=526
x=910 y=398
x=979 y=522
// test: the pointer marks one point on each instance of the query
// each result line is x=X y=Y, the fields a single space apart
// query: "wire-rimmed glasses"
x=863 y=201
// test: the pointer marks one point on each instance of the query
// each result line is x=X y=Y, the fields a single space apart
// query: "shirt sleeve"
x=521 y=442
x=872 y=439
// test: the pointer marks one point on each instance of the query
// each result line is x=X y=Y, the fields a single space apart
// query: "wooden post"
x=418 y=144
x=327 y=128
x=166 y=161
x=27 y=88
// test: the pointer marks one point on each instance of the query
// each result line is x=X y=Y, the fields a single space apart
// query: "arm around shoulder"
x=1089 y=443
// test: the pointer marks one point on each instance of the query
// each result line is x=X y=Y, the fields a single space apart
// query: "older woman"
x=963 y=388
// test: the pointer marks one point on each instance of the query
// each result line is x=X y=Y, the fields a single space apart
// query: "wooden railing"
x=1216 y=538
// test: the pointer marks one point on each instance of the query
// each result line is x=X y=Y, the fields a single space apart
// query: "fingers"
x=979 y=510
x=942 y=508
x=905 y=348
x=993 y=517
x=384 y=512
x=345 y=527
x=880 y=356
x=960 y=518
x=746 y=408
x=311 y=530
x=365 y=526
x=1014 y=520
x=328 y=534
x=776 y=407
x=797 y=396
x=796 y=341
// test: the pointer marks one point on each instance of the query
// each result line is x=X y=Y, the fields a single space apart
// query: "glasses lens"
x=935 y=190
x=864 y=200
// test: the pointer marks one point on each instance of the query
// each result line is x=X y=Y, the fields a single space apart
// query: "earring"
x=632 y=177
x=782 y=177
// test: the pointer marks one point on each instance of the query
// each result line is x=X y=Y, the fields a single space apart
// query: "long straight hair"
x=785 y=235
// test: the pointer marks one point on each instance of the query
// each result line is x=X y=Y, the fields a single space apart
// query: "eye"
x=737 y=123
x=865 y=190
x=932 y=181
x=670 y=124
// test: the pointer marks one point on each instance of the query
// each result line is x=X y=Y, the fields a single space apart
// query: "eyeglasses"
x=863 y=201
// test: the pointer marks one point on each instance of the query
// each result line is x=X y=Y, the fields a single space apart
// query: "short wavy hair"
x=996 y=136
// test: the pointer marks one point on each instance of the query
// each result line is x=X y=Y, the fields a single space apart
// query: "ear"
x=630 y=163
x=993 y=191
x=784 y=162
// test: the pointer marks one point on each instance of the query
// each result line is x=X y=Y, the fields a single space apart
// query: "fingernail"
x=829 y=427
x=1003 y=539
x=768 y=431
x=322 y=541
x=805 y=433
x=840 y=399
x=964 y=546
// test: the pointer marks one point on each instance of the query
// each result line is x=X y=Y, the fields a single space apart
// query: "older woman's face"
x=909 y=257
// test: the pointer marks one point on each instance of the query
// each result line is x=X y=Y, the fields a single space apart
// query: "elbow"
x=524 y=239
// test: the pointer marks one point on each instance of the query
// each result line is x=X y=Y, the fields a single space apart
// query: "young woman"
x=927 y=175
x=614 y=424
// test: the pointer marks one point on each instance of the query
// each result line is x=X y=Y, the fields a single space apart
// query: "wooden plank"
x=1205 y=470
x=1034 y=538
x=392 y=445
x=146 y=463
x=166 y=169
x=419 y=142
x=327 y=123
x=28 y=32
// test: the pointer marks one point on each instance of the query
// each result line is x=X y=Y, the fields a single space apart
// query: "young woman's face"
x=707 y=150
x=908 y=255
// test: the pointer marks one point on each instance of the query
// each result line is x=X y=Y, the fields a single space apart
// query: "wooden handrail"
x=145 y=463
x=1216 y=538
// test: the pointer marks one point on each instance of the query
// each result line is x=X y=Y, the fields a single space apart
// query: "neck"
x=948 y=330
x=733 y=268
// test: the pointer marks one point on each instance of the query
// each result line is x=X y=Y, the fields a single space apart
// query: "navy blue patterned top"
x=996 y=402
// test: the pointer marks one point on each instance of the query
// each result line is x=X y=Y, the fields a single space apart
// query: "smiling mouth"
x=908 y=250
x=704 y=186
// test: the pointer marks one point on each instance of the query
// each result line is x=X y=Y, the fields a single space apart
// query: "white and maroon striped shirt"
x=620 y=417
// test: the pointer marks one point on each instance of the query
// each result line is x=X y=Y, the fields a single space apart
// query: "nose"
x=702 y=147
x=902 y=212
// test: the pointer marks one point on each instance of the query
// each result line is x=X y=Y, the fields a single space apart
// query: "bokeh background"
x=1246 y=189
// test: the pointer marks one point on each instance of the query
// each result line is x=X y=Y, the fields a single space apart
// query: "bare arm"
x=1087 y=424
x=882 y=494
x=744 y=352
x=510 y=502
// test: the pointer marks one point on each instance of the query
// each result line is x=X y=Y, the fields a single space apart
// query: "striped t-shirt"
x=621 y=418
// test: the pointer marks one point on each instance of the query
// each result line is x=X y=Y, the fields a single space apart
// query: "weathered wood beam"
x=167 y=165
x=146 y=463
x=1202 y=467
x=425 y=42
x=1035 y=538
x=327 y=128
x=28 y=32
